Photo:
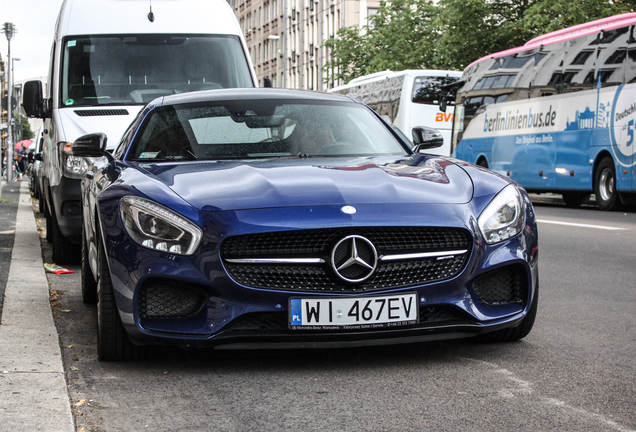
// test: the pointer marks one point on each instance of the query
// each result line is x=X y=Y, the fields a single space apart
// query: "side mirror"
x=425 y=137
x=267 y=82
x=32 y=100
x=38 y=157
x=91 y=145
x=442 y=105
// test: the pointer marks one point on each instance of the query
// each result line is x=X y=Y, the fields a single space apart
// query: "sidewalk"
x=33 y=392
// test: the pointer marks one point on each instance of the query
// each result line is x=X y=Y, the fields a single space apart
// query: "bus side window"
x=552 y=76
x=630 y=61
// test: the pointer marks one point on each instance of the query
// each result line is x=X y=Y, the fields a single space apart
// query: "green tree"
x=472 y=29
x=348 y=56
x=545 y=16
x=401 y=35
x=415 y=34
x=27 y=133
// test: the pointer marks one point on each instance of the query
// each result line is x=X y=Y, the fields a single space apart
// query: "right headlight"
x=504 y=217
x=156 y=227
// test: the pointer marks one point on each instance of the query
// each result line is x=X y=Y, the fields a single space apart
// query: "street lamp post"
x=13 y=60
x=9 y=32
x=275 y=38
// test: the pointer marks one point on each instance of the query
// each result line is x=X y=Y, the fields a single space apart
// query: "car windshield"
x=261 y=129
x=134 y=69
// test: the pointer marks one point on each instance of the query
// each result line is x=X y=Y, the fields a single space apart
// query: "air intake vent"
x=101 y=112
x=503 y=286
x=169 y=300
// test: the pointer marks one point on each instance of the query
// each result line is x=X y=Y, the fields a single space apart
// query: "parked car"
x=34 y=168
x=278 y=218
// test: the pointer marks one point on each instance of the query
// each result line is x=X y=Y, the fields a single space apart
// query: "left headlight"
x=156 y=227
x=504 y=217
x=73 y=166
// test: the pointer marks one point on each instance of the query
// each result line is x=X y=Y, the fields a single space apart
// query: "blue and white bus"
x=556 y=114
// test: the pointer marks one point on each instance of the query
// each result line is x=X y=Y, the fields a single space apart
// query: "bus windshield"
x=134 y=69
x=427 y=90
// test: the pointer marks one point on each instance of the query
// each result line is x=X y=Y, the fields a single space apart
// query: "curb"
x=33 y=390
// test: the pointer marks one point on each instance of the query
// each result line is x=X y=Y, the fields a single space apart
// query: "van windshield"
x=134 y=69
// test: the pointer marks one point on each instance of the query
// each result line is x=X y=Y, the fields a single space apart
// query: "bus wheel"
x=573 y=199
x=482 y=162
x=605 y=185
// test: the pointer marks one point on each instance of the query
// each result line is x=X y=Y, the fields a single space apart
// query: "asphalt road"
x=576 y=371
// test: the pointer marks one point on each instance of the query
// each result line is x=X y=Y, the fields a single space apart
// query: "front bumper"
x=232 y=315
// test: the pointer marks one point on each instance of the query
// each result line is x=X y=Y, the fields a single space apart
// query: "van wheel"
x=41 y=204
x=64 y=252
x=482 y=162
x=49 y=228
x=89 y=284
x=113 y=343
x=605 y=185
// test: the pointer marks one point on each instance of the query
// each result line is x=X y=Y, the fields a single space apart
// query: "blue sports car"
x=271 y=218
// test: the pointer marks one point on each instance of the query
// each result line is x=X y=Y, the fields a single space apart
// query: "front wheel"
x=88 y=282
x=113 y=343
x=605 y=185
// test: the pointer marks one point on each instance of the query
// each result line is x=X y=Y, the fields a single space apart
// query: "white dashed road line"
x=602 y=227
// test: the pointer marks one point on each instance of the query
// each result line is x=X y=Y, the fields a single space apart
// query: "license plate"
x=337 y=313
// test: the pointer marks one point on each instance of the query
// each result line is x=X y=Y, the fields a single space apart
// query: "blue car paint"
x=229 y=300
x=451 y=195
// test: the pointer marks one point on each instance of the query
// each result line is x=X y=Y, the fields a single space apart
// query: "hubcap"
x=606 y=184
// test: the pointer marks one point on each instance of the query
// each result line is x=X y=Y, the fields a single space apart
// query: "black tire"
x=49 y=228
x=573 y=199
x=64 y=252
x=605 y=185
x=41 y=204
x=89 y=284
x=482 y=162
x=513 y=333
x=113 y=343
x=34 y=187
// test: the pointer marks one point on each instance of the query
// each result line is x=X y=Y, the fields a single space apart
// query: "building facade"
x=285 y=37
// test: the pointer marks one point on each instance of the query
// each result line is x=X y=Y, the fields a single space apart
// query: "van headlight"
x=73 y=166
x=156 y=227
x=504 y=217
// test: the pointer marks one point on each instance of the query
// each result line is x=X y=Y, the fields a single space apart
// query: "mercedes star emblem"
x=354 y=259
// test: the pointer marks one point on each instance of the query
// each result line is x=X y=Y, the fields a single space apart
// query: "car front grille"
x=415 y=256
x=502 y=286
x=169 y=300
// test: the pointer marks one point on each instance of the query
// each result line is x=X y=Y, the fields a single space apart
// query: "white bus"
x=406 y=99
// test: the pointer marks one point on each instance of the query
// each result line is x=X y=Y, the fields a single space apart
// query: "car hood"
x=233 y=185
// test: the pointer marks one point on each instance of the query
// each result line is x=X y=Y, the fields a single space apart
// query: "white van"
x=406 y=99
x=109 y=58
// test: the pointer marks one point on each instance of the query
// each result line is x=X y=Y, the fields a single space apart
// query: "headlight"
x=156 y=227
x=72 y=166
x=503 y=218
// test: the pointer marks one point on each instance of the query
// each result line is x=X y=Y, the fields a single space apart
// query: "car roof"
x=250 y=94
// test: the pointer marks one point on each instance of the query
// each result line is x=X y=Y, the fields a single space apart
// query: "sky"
x=35 y=23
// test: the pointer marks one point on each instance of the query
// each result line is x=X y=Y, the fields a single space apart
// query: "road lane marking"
x=608 y=228
x=526 y=389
